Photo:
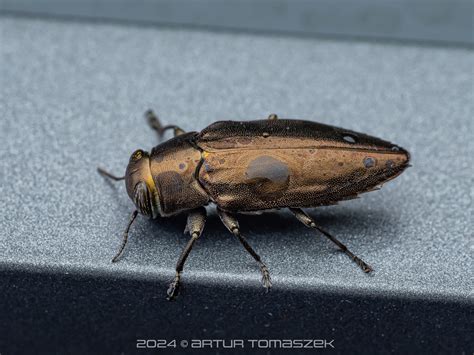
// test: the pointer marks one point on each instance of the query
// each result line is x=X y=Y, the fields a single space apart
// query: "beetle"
x=253 y=166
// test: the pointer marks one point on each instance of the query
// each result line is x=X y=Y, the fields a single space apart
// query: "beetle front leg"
x=194 y=225
x=154 y=123
x=233 y=226
x=309 y=222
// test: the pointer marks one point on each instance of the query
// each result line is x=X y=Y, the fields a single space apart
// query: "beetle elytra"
x=252 y=166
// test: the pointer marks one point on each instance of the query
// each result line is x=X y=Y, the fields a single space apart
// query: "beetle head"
x=140 y=185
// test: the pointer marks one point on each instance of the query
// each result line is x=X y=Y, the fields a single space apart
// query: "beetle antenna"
x=109 y=175
x=125 y=236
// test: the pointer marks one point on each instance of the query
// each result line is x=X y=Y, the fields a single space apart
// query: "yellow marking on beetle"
x=138 y=154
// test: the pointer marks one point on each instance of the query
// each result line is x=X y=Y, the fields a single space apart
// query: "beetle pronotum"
x=253 y=166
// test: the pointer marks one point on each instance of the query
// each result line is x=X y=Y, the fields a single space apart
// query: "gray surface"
x=427 y=20
x=72 y=97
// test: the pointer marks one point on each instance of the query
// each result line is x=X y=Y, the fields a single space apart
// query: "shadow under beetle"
x=251 y=166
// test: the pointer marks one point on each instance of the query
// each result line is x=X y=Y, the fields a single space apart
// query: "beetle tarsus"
x=154 y=122
x=125 y=237
x=309 y=222
x=362 y=264
x=232 y=225
x=109 y=175
x=266 y=280
x=173 y=289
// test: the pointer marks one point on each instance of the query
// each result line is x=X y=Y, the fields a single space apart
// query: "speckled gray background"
x=72 y=98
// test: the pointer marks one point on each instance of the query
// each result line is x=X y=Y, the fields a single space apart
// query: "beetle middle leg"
x=194 y=225
x=154 y=123
x=233 y=226
x=309 y=222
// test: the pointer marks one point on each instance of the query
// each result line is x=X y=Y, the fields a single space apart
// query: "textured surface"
x=72 y=314
x=72 y=98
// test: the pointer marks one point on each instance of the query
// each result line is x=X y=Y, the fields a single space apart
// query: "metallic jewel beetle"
x=251 y=166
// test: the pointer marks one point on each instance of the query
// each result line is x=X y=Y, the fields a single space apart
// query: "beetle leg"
x=194 y=225
x=125 y=236
x=154 y=123
x=272 y=116
x=233 y=226
x=309 y=222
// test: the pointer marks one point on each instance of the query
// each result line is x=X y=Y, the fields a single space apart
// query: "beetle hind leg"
x=233 y=226
x=309 y=222
x=155 y=124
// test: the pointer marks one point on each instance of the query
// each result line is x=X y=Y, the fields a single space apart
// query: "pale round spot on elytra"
x=268 y=177
x=265 y=134
x=369 y=162
x=269 y=168
x=395 y=148
x=349 y=138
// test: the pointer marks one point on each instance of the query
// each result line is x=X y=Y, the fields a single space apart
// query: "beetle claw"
x=365 y=267
x=173 y=289
x=267 y=283
x=266 y=280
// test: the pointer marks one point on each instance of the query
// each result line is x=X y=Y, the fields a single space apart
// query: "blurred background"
x=75 y=80
x=448 y=21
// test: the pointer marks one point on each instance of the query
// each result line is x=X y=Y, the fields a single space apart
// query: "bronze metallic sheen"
x=252 y=166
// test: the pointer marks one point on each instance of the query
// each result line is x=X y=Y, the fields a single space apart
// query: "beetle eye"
x=137 y=155
x=350 y=138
